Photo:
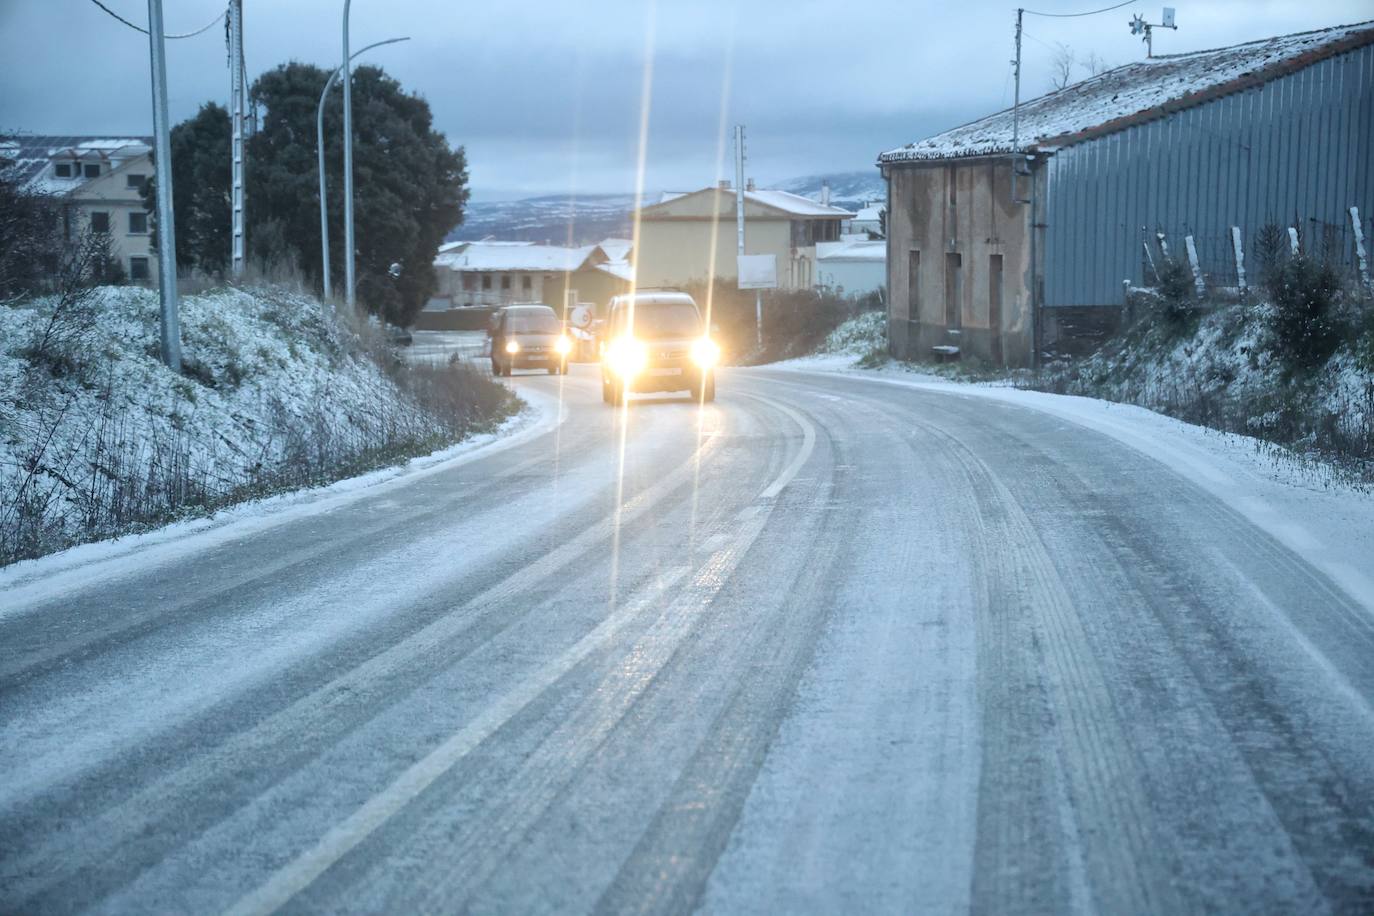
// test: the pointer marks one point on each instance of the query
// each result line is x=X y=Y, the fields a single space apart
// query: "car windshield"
x=540 y=322
x=663 y=319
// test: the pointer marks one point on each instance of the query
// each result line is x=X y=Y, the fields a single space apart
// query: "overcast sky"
x=546 y=94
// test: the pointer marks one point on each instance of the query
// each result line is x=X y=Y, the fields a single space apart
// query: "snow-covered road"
x=832 y=644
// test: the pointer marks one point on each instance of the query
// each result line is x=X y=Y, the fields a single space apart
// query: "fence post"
x=1163 y=245
x=1192 y=261
x=1150 y=259
x=1293 y=241
x=1360 y=255
x=1239 y=248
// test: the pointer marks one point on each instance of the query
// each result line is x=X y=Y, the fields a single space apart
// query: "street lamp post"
x=347 y=68
x=319 y=144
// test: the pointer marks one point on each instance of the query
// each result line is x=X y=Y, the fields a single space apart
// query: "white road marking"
x=808 y=445
x=298 y=874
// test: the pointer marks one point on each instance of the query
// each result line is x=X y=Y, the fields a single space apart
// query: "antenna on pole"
x=1140 y=27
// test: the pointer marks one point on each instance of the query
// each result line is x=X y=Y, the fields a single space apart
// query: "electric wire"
x=139 y=28
x=1105 y=9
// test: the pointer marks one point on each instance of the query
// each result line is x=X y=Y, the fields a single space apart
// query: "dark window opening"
x=100 y=221
x=913 y=285
x=138 y=269
x=469 y=282
x=505 y=281
x=135 y=182
x=995 y=304
x=91 y=170
x=527 y=283
x=138 y=222
x=954 y=290
x=486 y=281
x=62 y=170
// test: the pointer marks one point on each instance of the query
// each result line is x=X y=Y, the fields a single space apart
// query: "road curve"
x=826 y=645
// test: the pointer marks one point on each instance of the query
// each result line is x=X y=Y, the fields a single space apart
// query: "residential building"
x=677 y=235
x=490 y=273
x=869 y=220
x=101 y=180
x=1273 y=132
x=852 y=267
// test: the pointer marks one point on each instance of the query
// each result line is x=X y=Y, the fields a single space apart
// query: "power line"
x=1106 y=9
x=139 y=28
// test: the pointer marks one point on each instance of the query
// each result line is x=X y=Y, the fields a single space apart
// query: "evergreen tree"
x=410 y=187
x=200 y=190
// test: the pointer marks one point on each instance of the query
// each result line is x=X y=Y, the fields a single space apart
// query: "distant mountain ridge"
x=561 y=219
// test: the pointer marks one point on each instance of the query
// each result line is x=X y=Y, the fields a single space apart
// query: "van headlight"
x=563 y=345
x=627 y=357
x=705 y=353
x=512 y=346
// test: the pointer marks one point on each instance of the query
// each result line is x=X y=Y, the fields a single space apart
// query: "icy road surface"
x=828 y=645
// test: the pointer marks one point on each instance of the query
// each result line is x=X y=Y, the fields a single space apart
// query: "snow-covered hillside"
x=99 y=437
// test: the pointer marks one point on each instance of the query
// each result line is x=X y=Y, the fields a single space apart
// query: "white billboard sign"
x=758 y=271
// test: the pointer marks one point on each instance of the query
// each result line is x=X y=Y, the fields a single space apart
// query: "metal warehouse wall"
x=1296 y=149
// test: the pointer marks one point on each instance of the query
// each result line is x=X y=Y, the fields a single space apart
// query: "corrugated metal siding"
x=1298 y=149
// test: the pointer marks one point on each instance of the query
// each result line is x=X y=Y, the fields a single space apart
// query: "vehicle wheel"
x=553 y=370
x=606 y=392
x=706 y=391
x=495 y=367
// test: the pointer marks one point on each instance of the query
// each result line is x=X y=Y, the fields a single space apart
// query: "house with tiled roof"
x=1016 y=234
x=100 y=180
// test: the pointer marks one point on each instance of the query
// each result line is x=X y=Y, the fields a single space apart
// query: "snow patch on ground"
x=1308 y=508
x=31 y=583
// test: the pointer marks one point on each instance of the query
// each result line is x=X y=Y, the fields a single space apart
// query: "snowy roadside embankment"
x=100 y=439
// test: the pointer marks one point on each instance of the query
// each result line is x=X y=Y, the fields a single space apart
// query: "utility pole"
x=236 y=119
x=739 y=228
x=166 y=230
x=1016 y=108
x=349 y=282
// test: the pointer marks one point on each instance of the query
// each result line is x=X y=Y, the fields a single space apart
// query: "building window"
x=527 y=283
x=486 y=281
x=62 y=170
x=138 y=222
x=954 y=290
x=135 y=182
x=505 y=281
x=138 y=268
x=995 y=304
x=469 y=282
x=100 y=221
x=91 y=170
x=913 y=286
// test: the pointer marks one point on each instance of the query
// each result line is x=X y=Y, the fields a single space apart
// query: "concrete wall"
x=940 y=209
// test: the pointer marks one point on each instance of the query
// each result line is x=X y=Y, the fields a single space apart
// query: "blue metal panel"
x=1297 y=149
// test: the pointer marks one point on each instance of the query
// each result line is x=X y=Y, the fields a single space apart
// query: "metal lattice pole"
x=236 y=109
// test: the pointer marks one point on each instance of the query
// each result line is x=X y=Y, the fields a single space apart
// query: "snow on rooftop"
x=1136 y=92
x=617 y=249
x=508 y=256
x=852 y=251
x=795 y=204
x=621 y=270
